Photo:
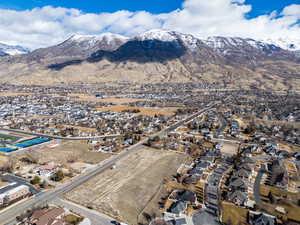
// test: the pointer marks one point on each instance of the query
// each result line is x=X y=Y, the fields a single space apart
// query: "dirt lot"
x=68 y=150
x=124 y=192
x=229 y=148
x=3 y=160
x=143 y=110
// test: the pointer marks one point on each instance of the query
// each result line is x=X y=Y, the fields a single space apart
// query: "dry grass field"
x=14 y=93
x=150 y=111
x=66 y=151
x=287 y=200
x=114 y=100
x=3 y=160
x=132 y=187
x=234 y=215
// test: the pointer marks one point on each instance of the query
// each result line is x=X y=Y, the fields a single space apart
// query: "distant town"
x=159 y=154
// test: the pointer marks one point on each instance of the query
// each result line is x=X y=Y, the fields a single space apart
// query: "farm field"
x=124 y=192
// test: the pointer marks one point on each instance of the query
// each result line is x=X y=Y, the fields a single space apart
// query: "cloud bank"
x=42 y=27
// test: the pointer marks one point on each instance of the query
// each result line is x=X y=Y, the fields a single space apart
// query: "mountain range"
x=9 y=50
x=157 y=56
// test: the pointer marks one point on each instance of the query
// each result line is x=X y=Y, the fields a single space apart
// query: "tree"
x=156 y=139
x=35 y=180
x=58 y=176
x=271 y=198
x=147 y=216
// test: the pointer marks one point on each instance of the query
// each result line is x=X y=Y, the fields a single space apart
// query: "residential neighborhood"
x=199 y=157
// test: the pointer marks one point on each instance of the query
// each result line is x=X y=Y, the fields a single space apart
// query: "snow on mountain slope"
x=285 y=43
x=157 y=34
x=170 y=36
x=92 y=39
x=13 y=50
x=222 y=44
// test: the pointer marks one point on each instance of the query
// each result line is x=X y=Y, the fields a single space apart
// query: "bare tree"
x=9 y=165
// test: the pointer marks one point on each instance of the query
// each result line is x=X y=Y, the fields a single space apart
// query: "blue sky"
x=40 y=23
x=153 y=6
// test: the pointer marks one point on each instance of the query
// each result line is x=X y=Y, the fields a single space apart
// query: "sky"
x=41 y=23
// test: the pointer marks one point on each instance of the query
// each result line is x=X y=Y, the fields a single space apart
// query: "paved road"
x=8 y=217
x=11 y=178
x=60 y=137
x=256 y=188
x=222 y=127
x=95 y=217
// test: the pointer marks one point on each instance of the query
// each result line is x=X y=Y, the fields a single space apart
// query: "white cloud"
x=46 y=26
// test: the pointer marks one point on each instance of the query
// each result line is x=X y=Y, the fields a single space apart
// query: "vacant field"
x=114 y=100
x=233 y=215
x=150 y=111
x=68 y=151
x=229 y=148
x=3 y=160
x=124 y=192
x=120 y=101
x=14 y=93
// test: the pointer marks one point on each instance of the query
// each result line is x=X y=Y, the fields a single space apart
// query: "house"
x=52 y=216
x=177 y=208
x=237 y=197
x=16 y=193
x=186 y=196
x=297 y=155
x=258 y=218
x=46 y=170
x=2 y=197
x=195 y=171
x=242 y=173
x=192 y=179
x=179 y=221
x=237 y=184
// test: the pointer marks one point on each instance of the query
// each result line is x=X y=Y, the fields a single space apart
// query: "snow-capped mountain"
x=224 y=44
x=109 y=38
x=188 y=40
x=80 y=47
x=285 y=43
x=158 y=34
x=157 y=56
x=12 y=50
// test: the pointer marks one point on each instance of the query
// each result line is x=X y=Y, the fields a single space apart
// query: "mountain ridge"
x=10 y=50
x=157 y=56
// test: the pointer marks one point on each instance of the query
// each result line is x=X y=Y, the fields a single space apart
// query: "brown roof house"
x=54 y=216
